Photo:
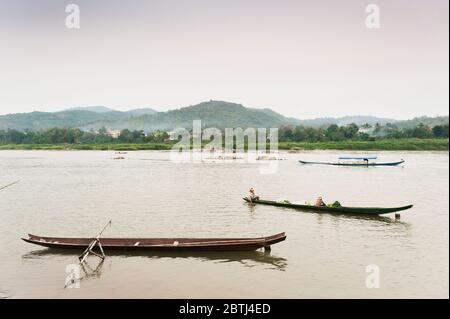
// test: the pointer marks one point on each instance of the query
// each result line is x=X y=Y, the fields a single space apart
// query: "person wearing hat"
x=252 y=196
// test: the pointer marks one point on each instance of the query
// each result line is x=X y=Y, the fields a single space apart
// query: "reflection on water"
x=251 y=207
x=245 y=258
x=84 y=271
x=90 y=272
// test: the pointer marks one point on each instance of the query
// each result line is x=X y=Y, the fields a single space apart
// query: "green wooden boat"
x=338 y=210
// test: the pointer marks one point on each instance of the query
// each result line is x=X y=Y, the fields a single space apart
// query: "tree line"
x=333 y=133
x=366 y=132
x=76 y=136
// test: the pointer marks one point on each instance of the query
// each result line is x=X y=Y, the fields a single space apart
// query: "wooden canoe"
x=355 y=164
x=340 y=210
x=161 y=244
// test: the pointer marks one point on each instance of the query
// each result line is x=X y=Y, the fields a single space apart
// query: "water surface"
x=146 y=195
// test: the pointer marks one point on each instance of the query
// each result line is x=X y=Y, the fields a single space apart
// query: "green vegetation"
x=76 y=136
x=218 y=114
x=212 y=113
x=335 y=133
x=332 y=133
x=366 y=137
x=89 y=147
x=348 y=137
x=75 y=117
x=410 y=144
x=425 y=120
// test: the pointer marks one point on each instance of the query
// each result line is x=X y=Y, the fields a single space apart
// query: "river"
x=147 y=194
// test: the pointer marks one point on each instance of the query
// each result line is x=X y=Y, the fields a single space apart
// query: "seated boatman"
x=320 y=202
x=252 y=196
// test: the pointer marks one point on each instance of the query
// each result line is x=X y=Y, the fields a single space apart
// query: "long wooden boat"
x=340 y=210
x=361 y=164
x=161 y=244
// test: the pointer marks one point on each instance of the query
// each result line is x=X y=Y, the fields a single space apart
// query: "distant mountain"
x=141 y=111
x=271 y=112
x=96 y=109
x=213 y=114
x=430 y=121
x=104 y=109
x=358 y=120
x=218 y=114
x=73 y=117
x=43 y=120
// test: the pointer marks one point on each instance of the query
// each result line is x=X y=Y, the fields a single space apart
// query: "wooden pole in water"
x=91 y=246
x=89 y=249
x=107 y=224
x=6 y=186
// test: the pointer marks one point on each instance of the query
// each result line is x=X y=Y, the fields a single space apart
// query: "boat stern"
x=275 y=239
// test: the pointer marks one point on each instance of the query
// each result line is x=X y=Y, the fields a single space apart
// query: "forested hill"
x=218 y=114
x=74 y=117
x=429 y=121
x=213 y=114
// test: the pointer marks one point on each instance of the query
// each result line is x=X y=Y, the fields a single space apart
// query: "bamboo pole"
x=91 y=246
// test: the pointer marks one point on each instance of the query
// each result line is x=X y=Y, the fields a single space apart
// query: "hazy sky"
x=301 y=58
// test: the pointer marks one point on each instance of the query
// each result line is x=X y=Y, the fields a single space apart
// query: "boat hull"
x=337 y=210
x=354 y=164
x=160 y=244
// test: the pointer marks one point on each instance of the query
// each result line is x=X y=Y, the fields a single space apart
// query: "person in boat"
x=251 y=195
x=320 y=202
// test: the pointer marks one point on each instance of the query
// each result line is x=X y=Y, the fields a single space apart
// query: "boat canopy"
x=358 y=158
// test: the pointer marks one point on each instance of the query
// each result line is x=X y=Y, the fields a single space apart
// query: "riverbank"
x=88 y=147
x=377 y=145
